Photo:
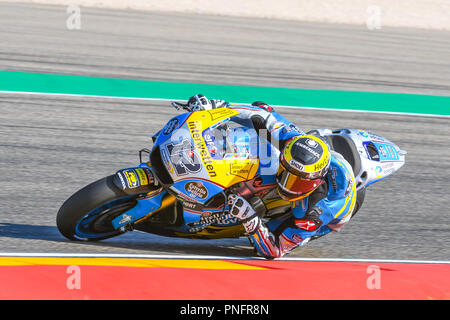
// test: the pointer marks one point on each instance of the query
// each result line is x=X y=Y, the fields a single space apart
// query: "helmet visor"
x=293 y=187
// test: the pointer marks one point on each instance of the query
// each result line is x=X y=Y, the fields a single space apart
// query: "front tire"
x=88 y=213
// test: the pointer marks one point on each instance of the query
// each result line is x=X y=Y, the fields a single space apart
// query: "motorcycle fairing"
x=166 y=132
x=192 y=154
x=390 y=157
x=377 y=157
x=198 y=223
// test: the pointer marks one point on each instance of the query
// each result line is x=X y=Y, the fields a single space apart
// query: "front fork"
x=139 y=182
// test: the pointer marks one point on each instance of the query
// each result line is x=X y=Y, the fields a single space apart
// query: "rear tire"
x=360 y=195
x=88 y=213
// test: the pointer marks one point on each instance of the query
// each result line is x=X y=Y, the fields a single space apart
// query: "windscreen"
x=233 y=138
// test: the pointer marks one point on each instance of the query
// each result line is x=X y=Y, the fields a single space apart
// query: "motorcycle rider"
x=317 y=181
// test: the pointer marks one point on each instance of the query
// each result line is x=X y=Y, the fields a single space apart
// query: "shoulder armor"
x=339 y=176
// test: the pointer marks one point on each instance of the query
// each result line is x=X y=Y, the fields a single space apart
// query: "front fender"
x=135 y=180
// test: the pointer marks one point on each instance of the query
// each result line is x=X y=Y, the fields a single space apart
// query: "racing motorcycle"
x=180 y=188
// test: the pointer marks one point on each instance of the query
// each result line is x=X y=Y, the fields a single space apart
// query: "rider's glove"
x=241 y=209
x=199 y=102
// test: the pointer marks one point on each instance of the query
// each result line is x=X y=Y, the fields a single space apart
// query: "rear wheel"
x=88 y=213
x=360 y=195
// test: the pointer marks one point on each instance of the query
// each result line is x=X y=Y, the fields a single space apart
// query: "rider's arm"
x=290 y=233
x=293 y=232
x=278 y=129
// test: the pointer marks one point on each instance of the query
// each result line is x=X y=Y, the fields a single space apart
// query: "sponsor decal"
x=333 y=175
x=364 y=134
x=125 y=218
x=170 y=127
x=192 y=205
x=382 y=151
x=321 y=165
x=208 y=218
x=143 y=176
x=388 y=168
x=122 y=181
x=221 y=113
x=239 y=169
x=385 y=169
x=388 y=165
x=392 y=152
x=379 y=171
x=309 y=149
x=311 y=143
x=386 y=151
x=196 y=130
x=196 y=189
x=131 y=178
x=296 y=165
x=306 y=225
x=134 y=178
x=389 y=171
x=209 y=139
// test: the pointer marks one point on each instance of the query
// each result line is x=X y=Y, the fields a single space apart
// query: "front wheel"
x=88 y=213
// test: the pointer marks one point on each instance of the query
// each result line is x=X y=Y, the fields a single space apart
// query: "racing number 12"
x=184 y=158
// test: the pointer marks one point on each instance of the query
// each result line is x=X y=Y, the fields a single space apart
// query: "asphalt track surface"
x=51 y=146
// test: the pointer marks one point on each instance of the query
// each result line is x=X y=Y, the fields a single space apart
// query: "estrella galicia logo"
x=196 y=189
x=171 y=126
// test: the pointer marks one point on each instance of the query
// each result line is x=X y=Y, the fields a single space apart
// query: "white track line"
x=276 y=106
x=207 y=257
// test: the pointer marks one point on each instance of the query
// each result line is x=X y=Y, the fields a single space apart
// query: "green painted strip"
x=349 y=100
